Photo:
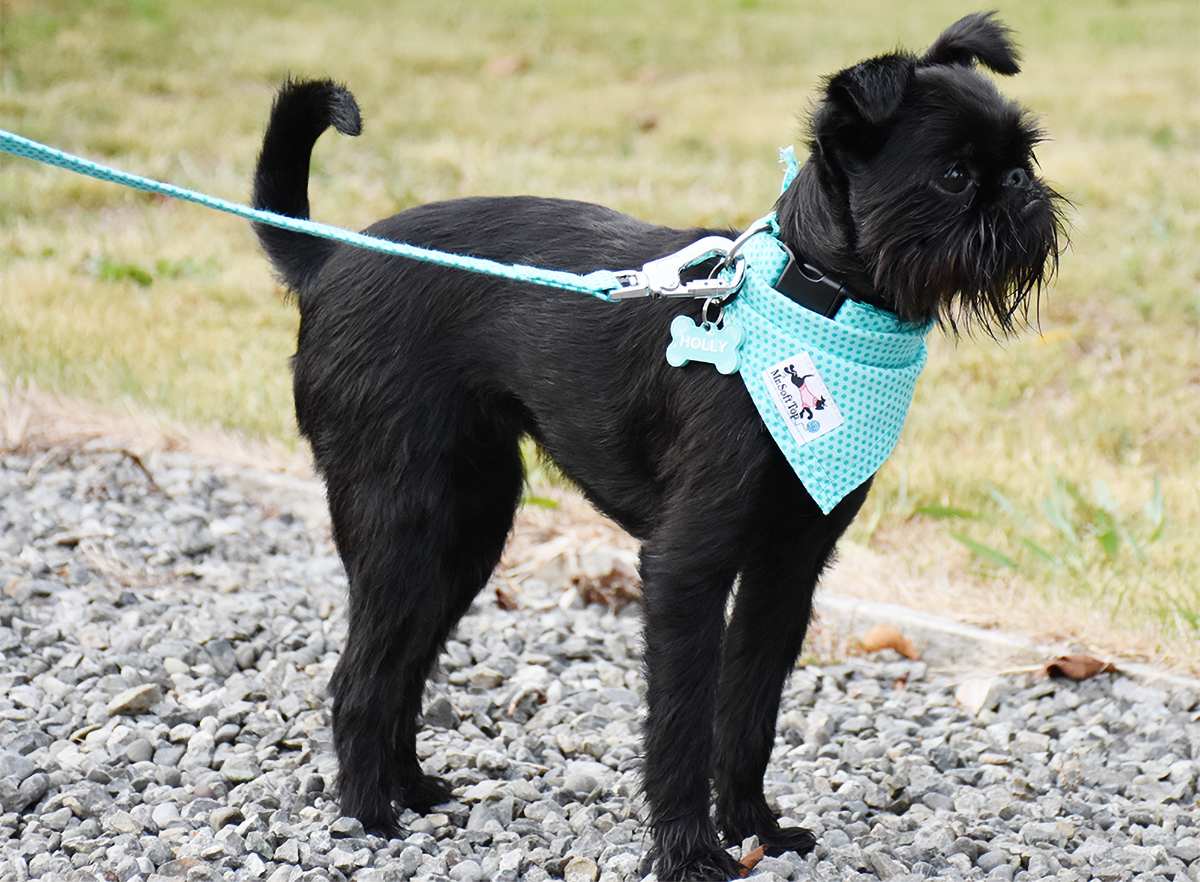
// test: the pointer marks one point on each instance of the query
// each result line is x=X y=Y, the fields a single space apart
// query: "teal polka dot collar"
x=833 y=392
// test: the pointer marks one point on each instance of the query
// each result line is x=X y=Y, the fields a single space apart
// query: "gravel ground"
x=167 y=635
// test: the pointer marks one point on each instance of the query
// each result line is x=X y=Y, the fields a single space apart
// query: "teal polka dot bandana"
x=833 y=392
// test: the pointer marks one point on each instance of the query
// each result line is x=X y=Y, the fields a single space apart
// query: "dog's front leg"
x=685 y=586
x=791 y=544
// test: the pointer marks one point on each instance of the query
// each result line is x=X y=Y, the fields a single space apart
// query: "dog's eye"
x=956 y=180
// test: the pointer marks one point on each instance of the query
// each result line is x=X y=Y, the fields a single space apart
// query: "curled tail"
x=302 y=111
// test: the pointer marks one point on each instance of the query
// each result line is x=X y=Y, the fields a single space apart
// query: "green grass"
x=669 y=110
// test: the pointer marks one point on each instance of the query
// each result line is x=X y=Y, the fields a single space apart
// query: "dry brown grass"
x=35 y=421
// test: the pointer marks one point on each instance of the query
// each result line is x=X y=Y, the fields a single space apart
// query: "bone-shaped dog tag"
x=719 y=345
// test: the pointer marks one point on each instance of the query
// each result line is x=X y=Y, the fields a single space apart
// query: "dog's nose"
x=1016 y=177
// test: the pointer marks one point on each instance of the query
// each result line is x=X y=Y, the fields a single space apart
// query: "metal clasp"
x=660 y=278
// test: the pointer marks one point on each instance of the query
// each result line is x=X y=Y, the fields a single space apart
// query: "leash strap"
x=598 y=283
x=832 y=392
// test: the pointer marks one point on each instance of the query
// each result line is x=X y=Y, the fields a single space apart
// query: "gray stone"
x=410 y=859
x=157 y=851
x=224 y=660
x=1038 y=867
x=165 y=814
x=225 y=815
x=134 y=700
x=441 y=714
x=881 y=864
x=989 y=860
x=57 y=820
x=34 y=788
x=589 y=843
x=1037 y=832
x=581 y=869
x=123 y=822
x=13 y=765
x=784 y=868
x=287 y=852
x=240 y=768
x=481 y=814
x=168 y=757
x=965 y=846
x=938 y=802
x=467 y=871
x=934 y=838
x=1186 y=849
x=346 y=827
x=491 y=761
x=139 y=750
x=11 y=798
x=259 y=844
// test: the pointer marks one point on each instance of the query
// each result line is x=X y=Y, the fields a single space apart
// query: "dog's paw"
x=755 y=818
x=373 y=809
x=378 y=818
x=712 y=866
x=784 y=839
x=384 y=828
x=422 y=792
x=691 y=852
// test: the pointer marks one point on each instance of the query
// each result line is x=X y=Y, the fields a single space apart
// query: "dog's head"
x=923 y=179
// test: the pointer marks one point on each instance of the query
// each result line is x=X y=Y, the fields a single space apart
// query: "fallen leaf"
x=889 y=637
x=505 y=599
x=539 y=697
x=1078 y=667
x=750 y=861
x=615 y=589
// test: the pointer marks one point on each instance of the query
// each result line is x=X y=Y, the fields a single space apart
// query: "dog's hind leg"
x=792 y=546
x=418 y=545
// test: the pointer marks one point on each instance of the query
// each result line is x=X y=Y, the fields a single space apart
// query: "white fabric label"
x=804 y=402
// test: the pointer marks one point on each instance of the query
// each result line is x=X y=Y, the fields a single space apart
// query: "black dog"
x=415 y=384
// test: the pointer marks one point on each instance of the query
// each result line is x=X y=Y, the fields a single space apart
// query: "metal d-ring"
x=719 y=304
x=739 y=242
x=732 y=259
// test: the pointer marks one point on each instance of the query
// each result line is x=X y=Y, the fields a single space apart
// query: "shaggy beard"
x=980 y=269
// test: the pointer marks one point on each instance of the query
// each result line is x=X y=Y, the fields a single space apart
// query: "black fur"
x=414 y=385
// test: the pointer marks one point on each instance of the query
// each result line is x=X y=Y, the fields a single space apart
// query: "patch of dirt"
x=33 y=421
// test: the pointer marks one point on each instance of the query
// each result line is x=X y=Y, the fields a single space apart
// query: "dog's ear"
x=871 y=91
x=980 y=37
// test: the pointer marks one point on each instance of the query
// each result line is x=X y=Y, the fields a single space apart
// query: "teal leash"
x=863 y=364
x=601 y=283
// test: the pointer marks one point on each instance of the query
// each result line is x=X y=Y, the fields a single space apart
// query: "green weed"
x=1084 y=543
x=108 y=270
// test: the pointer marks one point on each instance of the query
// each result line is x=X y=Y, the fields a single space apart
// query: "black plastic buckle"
x=803 y=283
